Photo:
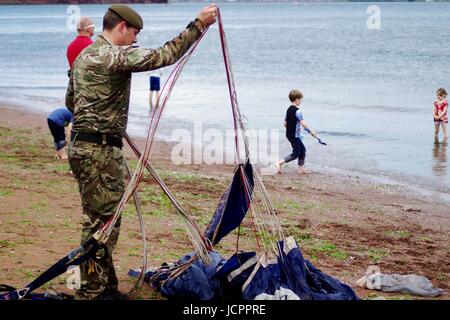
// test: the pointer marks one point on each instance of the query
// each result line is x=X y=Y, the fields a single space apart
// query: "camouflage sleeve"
x=139 y=59
x=70 y=95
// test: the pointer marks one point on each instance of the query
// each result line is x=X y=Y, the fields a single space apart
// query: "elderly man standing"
x=85 y=28
x=98 y=95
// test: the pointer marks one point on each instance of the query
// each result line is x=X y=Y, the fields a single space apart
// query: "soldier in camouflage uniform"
x=98 y=95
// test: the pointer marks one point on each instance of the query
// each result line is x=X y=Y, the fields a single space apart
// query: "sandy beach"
x=342 y=223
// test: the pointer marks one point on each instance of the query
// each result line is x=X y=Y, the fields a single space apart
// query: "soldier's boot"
x=112 y=295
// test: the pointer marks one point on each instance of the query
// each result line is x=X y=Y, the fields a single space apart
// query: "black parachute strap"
x=74 y=258
x=37 y=296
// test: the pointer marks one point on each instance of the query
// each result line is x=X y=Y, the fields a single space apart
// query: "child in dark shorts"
x=293 y=123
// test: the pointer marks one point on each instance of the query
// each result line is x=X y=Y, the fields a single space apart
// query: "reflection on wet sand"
x=440 y=157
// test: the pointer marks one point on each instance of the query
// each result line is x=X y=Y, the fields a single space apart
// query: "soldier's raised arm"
x=134 y=59
x=140 y=59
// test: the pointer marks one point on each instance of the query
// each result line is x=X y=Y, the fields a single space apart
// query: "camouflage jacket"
x=98 y=94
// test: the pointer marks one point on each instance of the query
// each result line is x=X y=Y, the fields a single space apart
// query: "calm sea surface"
x=369 y=93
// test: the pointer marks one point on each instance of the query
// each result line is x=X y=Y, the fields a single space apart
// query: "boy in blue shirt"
x=57 y=121
x=293 y=123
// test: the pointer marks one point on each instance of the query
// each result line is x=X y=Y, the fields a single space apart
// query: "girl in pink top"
x=440 y=113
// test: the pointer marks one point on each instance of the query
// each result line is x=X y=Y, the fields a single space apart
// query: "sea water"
x=369 y=91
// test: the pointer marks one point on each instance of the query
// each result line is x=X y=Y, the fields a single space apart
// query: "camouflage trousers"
x=100 y=172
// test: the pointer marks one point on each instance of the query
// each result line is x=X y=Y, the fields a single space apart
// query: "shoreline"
x=342 y=224
x=401 y=181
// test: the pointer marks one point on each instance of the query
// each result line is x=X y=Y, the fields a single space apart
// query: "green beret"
x=128 y=14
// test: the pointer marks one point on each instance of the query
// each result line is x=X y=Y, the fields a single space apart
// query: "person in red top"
x=440 y=113
x=85 y=28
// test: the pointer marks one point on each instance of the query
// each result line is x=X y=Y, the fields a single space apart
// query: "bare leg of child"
x=444 y=129
x=436 y=129
x=278 y=166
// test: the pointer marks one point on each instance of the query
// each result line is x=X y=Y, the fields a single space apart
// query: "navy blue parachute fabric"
x=288 y=276
x=198 y=282
x=233 y=205
x=328 y=288
x=284 y=276
x=235 y=272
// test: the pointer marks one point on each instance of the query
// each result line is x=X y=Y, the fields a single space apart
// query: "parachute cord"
x=139 y=283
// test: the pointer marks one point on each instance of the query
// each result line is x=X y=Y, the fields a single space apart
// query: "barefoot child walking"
x=440 y=113
x=293 y=123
